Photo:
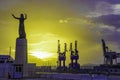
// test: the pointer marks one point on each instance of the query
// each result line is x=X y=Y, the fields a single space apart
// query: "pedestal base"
x=21 y=54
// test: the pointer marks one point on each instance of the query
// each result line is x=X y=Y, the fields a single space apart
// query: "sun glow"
x=41 y=54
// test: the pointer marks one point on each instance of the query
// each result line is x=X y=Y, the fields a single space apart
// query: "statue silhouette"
x=21 y=19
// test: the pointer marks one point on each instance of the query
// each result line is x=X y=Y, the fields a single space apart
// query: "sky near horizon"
x=87 y=21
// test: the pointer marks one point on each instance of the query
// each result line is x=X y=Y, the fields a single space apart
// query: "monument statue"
x=21 y=50
x=21 y=19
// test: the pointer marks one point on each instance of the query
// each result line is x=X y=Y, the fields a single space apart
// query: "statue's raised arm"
x=25 y=16
x=14 y=16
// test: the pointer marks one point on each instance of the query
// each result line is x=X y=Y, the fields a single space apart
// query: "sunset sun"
x=41 y=54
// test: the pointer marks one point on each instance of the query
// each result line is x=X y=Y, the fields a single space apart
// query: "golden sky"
x=47 y=22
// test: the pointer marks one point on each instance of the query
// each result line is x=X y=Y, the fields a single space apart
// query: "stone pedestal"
x=21 y=51
x=21 y=54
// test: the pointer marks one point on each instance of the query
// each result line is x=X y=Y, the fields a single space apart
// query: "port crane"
x=109 y=55
x=61 y=56
x=74 y=57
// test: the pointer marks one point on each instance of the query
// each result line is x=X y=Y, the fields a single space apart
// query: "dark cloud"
x=113 y=41
x=88 y=7
x=112 y=1
x=109 y=1
x=115 y=36
x=111 y=20
x=112 y=36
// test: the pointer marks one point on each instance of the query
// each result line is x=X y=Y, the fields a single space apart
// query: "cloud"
x=101 y=8
x=44 y=41
x=111 y=20
x=116 y=9
x=118 y=29
x=105 y=8
x=111 y=28
x=112 y=1
x=110 y=33
x=63 y=21
x=108 y=22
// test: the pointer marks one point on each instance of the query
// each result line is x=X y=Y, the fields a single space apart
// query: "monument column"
x=21 y=51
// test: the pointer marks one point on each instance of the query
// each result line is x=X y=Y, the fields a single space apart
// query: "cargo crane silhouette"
x=61 y=57
x=109 y=55
x=74 y=65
